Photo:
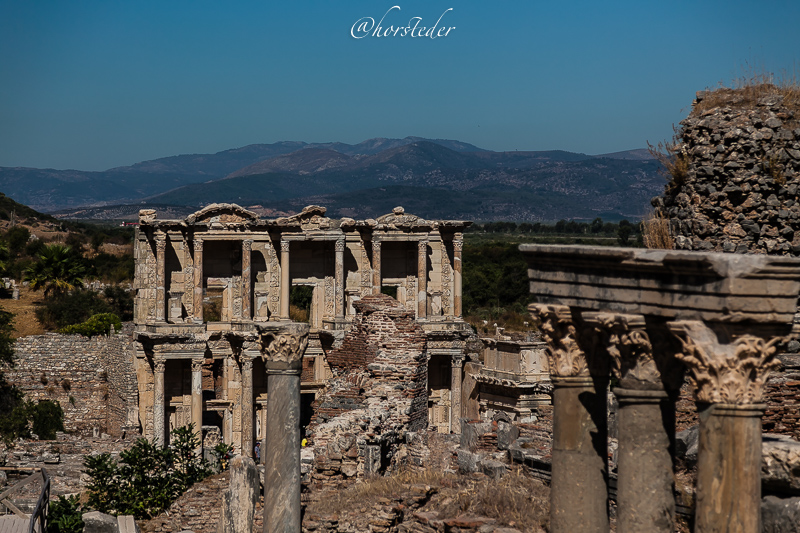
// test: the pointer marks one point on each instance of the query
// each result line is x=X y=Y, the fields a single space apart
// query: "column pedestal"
x=645 y=500
x=729 y=469
x=578 y=493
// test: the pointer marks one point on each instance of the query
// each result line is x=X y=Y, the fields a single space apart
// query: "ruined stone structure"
x=209 y=284
x=648 y=316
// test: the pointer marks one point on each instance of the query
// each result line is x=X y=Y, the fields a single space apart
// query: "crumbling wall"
x=367 y=418
x=93 y=379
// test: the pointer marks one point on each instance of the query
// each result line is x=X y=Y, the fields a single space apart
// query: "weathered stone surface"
x=780 y=515
x=686 y=445
x=780 y=464
x=239 y=502
x=97 y=522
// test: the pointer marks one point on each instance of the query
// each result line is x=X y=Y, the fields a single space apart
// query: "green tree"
x=59 y=270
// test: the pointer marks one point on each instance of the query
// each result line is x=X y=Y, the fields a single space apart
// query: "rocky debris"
x=780 y=465
x=780 y=515
x=686 y=445
x=97 y=522
x=239 y=501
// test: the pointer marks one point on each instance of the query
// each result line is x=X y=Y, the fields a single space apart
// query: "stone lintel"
x=665 y=283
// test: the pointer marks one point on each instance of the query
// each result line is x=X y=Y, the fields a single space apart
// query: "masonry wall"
x=93 y=379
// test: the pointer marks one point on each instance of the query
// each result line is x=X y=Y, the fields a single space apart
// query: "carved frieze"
x=564 y=355
x=725 y=372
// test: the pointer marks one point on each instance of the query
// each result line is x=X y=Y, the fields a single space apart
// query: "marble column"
x=339 y=273
x=578 y=492
x=197 y=400
x=247 y=284
x=376 y=266
x=247 y=407
x=158 y=402
x=729 y=372
x=161 y=275
x=646 y=423
x=456 y=377
x=458 y=244
x=284 y=356
x=422 y=284
x=197 y=304
x=286 y=283
x=188 y=280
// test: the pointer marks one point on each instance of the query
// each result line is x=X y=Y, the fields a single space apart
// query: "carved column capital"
x=197 y=365
x=198 y=244
x=247 y=364
x=161 y=242
x=628 y=346
x=422 y=246
x=284 y=246
x=247 y=245
x=159 y=365
x=285 y=346
x=376 y=245
x=340 y=244
x=731 y=372
x=458 y=245
x=565 y=357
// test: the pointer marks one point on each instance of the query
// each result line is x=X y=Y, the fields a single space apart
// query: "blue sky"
x=96 y=84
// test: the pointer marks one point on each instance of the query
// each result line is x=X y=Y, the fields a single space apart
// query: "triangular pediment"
x=223 y=214
x=311 y=217
x=399 y=217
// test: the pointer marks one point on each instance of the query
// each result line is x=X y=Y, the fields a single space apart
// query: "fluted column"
x=197 y=400
x=286 y=283
x=161 y=276
x=729 y=373
x=376 y=266
x=247 y=285
x=646 y=423
x=458 y=244
x=197 y=305
x=283 y=359
x=158 y=402
x=578 y=492
x=422 y=283
x=339 y=273
x=247 y=407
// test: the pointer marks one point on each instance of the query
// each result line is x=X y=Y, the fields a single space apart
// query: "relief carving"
x=447 y=282
x=732 y=372
x=565 y=357
x=274 y=280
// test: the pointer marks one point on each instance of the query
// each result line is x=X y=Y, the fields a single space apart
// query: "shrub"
x=99 y=324
x=44 y=419
x=71 y=308
x=47 y=418
x=64 y=516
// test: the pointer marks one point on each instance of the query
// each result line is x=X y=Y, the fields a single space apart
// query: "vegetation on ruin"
x=65 y=516
x=26 y=418
x=748 y=89
x=99 y=324
x=148 y=477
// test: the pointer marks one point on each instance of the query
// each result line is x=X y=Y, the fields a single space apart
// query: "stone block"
x=780 y=464
x=493 y=469
x=507 y=434
x=468 y=462
x=780 y=515
x=686 y=445
x=97 y=522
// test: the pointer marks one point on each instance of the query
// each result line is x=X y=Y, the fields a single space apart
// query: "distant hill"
x=445 y=178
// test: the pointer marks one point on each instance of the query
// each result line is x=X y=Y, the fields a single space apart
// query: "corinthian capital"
x=627 y=343
x=565 y=357
x=725 y=372
x=286 y=345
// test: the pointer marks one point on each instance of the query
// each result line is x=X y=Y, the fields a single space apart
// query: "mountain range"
x=434 y=178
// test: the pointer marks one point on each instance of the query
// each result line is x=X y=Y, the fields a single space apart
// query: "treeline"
x=562 y=227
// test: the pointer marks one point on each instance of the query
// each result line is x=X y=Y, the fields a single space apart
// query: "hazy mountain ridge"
x=466 y=181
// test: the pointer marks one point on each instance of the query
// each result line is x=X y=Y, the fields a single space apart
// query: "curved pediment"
x=311 y=217
x=399 y=218
x=224 y=214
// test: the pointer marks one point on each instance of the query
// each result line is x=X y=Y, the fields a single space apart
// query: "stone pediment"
x=399 y=218
x=311 y=217
x=223 y=214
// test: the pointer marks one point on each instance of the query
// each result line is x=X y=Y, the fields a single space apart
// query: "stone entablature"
x=648 y=316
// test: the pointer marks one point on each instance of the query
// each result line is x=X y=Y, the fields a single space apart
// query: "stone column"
x=247 y=285
x=458 y=244
x=339 y=272
x=456 y=377
x=247 y=407
x=197 y=305
x=422 y=284
x=284 y=356
x=197 y=400
x=729 y=373
x=646 y=422
x=376 y=266
x=578 y=492
x=158 y=402
x=286 y=283
x=161 y=275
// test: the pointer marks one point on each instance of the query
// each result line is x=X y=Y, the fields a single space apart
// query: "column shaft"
x=645 y=500
x=282 y=458
x=376 y=266
x=247 y=285
x=339 y=272
x=247 y=407
x=161 y=246
x=457 y=246
x=286 y=282
x=456 y=377
x=197 y=305
x=578 y=493
x=197 y=399
x=422 y=284
x=158 y=402
x=729 y=469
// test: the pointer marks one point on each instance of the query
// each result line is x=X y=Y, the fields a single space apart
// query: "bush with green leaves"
x=99 y=324
x=71 y=308
x=148 y=478
x=25 y=418
x=65 y=516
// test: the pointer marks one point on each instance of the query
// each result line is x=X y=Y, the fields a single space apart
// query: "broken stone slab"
x=780 y=464
x=507 y=434
x=780 y=515
x=97 y=522
x=686 y=445
x=493 y=469
x=468 y=462
x=471 y=431
x=239 y=502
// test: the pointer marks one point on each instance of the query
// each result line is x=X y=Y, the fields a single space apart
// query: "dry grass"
x=673 y=158
x=24 y=309
x=746 y=91
x=655 y=232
